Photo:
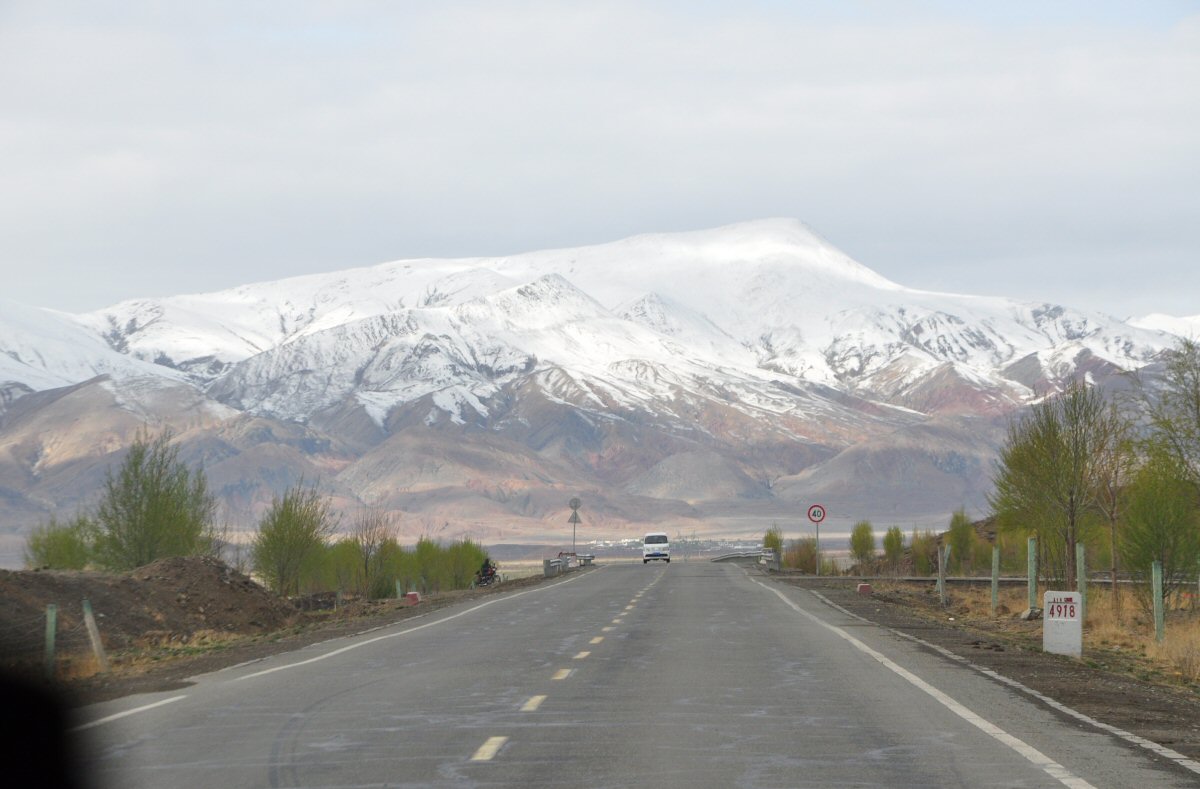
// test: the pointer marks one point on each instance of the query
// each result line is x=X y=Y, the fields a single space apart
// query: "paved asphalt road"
x=689 y=675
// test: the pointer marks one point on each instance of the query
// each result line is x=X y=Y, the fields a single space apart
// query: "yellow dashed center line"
x=617 y=621
x=533 y=703
x=489 y=749
x=607 y=629
x=629 y=608
x=582 y=655
x=562 y=673
x=596 y=640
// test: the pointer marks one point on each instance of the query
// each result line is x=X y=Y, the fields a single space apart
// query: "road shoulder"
x=1164 y=715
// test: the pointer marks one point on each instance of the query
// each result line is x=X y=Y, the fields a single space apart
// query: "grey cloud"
x=180 y=150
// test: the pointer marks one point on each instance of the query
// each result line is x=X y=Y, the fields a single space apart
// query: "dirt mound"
x=170 y=600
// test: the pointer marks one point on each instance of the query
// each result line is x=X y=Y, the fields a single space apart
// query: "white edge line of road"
x=1048 y=765
x=1130 y=737
x=369 y=641
x=126 y=713
x=144 y=708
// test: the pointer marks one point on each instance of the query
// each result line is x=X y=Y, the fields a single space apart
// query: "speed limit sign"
x=816 y=513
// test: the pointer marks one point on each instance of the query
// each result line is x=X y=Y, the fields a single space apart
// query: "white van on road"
x=656 y=545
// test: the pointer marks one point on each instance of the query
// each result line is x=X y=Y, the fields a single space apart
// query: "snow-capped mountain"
x=750 y=302
x=1182 y=327
x=754 y=353
x=43 y=349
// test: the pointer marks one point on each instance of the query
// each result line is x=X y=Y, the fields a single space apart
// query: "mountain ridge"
x=686 y=365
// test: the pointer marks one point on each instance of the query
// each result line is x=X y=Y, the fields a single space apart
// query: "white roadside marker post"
x=1062 y=623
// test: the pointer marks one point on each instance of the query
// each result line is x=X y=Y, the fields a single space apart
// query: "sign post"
x=1062 y=623
x=574 y=521
x=816 y=514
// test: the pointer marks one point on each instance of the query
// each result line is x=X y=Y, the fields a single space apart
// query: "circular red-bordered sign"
x=816 y=513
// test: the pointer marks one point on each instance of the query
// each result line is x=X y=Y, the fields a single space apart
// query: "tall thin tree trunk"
x=1070 y=543
x=1116 y=593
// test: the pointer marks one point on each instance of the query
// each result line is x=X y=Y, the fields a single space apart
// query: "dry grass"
x=1180 y=649
x=1131 y=628
x=71 y=667
x=1121 y=638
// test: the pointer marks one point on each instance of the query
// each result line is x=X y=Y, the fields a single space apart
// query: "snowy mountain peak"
x=749 y=302
x=1181 y=327
x=548 y=300
x=727 y=362
x=43 y=349
x=776 y=242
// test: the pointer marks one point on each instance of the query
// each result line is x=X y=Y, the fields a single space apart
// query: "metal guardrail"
x=987 y=579
x=563 y=564
x=1004 y=580
x=729 y=557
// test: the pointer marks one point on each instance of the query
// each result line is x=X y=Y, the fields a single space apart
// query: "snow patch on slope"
x=764 y=309
x=1181 y=327
x=44 y=349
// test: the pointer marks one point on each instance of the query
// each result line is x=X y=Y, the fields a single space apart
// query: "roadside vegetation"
x=154 y=507
x=1118 y=475
x=801 y=555
x=1122 y=643
x=862 y=542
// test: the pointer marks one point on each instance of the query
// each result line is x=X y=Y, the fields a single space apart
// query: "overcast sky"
x=155 y=148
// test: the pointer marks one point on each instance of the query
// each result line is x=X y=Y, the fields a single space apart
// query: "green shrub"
x=1161 y=524
x=924 y=552
x=338 y=568
x=61 y=546
x=153 y=507
x=290 y=546
x=431 y=567
x=862 y=543
x=801 y=555
x=893 y=547
x=961 y=539
x=773 y=540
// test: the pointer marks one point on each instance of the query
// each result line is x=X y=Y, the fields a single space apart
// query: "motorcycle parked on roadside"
x=487 y=575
